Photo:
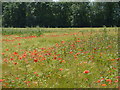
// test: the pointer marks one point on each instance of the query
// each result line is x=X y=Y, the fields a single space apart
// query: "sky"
x=58 y=0
x=55 y=0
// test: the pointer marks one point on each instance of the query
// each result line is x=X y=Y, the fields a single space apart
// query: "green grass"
x=58 y=57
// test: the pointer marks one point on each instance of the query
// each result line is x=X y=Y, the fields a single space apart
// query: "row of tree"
x=60 y=14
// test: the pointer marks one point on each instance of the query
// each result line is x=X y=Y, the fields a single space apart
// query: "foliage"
x=60 y=14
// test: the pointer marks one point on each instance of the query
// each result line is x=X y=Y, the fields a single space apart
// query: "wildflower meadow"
x=60 y=57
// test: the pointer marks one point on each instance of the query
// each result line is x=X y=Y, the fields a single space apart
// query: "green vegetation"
x=60 y=58
x=60 y=14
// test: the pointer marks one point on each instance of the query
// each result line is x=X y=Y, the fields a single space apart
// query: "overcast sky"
x=70 y=0
x=55 y=0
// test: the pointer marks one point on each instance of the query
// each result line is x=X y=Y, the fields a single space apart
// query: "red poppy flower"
x=3 y=53
x=19 y=43
x=118 y=59
x=62 y=61
x=35 y=60
x=62 y=42
x=116 y=81
x=60 y=69
x=20 y=58
x=103 y=85
x=7 y=49
x=1 y=80
x=108 y=80
x=37 y=75
x=98 y=81
x=17 y=78
x=11 y=59
x=70 y=52
x=35 y=72
x=78 y=40
x=55 y=57
x=15 y=53
x=118 y=77
x=59 y=58
x=57 y=44
x=78 y=53
x=86 y=71
x=15 y=63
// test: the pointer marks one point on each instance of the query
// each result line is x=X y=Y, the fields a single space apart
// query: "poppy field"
x=60 y=58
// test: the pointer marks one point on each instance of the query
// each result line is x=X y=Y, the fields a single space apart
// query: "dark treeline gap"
x=60 y=14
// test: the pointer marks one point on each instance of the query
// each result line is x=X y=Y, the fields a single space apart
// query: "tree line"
x=60 y=14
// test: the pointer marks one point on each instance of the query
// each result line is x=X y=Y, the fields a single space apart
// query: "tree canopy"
x=60 y=14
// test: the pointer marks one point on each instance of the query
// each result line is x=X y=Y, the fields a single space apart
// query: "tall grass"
x=82 y=58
